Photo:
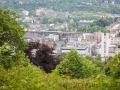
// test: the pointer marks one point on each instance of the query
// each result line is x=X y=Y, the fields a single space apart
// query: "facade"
x=115 y=40
x=25 y=12
x=88 y=36
x=54 y=37
x=97 y=36
x=50 y=44
x=82 y=50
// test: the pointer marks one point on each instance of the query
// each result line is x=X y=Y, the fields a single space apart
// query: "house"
x=54 y=37
x=88 y=36
x=25 y=12
x=97 y=36
x=113 y=26
x=115 y=40
x=85 y=22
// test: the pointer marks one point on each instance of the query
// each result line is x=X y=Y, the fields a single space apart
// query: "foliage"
x=54 y=44
x=118 y=35
x=60 y=20
x=63 y=44
x=9 y=58
x=27 y=76
x=96 y=61
x=10 y=30
x=98 y=25
x=45 y=20
x=76 y=66
x=104 y=22
x=42 y=57
x=88 y=29
x=31 y=77
x=118 y=44
x=57 y=5
x=113 y=67
x=11 y=40
x=62 y=56
x=24 y=24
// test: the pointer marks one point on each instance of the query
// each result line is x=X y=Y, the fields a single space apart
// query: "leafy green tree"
x=91 y=29
x=60 y=20
x=45 y=20
x=24 y=24
x=113 y=67
x=62 y=56
x=97 y=61
x=10 y=30
x=12 y=41
x=76 y=66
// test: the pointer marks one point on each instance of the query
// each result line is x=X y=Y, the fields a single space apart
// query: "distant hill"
x=111 y=6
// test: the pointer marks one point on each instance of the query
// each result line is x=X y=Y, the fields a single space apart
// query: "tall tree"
x=12 y=41
x=76 y=66
x=10 y=30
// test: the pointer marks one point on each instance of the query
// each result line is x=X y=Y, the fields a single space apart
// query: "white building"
x=82 y=50
x=54 y=37
x=25 y=12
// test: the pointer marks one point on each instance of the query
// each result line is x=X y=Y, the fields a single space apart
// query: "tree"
x=60 y=20
x=113 y=67
x=62 y=56
x=45 y=20
x=12 y=41
x=76 y=66
x=24 y=24
x=97 y=61
x=42 y=57
x=10 y=30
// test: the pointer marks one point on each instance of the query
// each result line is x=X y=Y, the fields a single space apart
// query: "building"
x=97 y=36
x=115 y=40
x=25 y=12
x=88 y=36
x=85 y=22
x=113 y=26
x=82 y=49
x=50 y=44
x=54 y=37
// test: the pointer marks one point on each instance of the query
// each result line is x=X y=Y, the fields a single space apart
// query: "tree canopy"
x=10 y=30
x=76 y=66
x=43 y=56
x=63 y=5
x=12 y=41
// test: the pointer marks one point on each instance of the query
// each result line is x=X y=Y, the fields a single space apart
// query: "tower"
x=102 y=46
x=107 y=44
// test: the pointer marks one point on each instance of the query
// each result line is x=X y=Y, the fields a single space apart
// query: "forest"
x=22 y=70
x=63 y=5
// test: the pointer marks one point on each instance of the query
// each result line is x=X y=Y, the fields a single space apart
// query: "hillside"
x=64 y=5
